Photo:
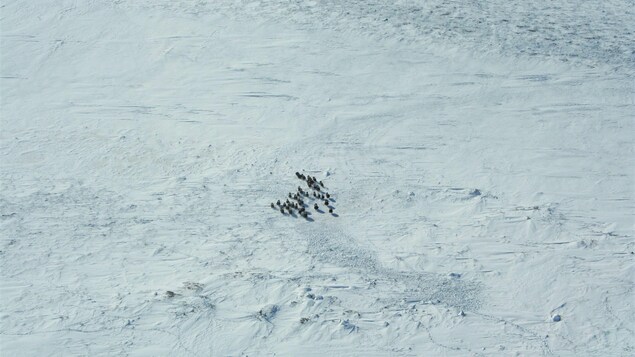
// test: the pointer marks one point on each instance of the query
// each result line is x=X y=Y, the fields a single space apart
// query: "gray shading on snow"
x=592 y=31
x=481 y=151
x=332 y=246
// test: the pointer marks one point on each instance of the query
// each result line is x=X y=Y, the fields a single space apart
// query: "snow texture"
x=481 y=156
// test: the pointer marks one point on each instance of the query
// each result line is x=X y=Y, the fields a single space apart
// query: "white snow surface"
x=481 y=157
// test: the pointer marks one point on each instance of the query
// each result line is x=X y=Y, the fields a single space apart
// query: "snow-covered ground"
x=481 y=158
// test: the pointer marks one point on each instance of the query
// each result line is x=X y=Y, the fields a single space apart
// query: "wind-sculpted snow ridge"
x=332 y=246
x=593 y=32
x=480 y=152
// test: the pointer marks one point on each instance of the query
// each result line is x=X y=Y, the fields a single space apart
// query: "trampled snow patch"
x=331 y=246
x=481 y=153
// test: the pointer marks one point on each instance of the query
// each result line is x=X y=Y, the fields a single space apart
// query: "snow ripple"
x=590 y=32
